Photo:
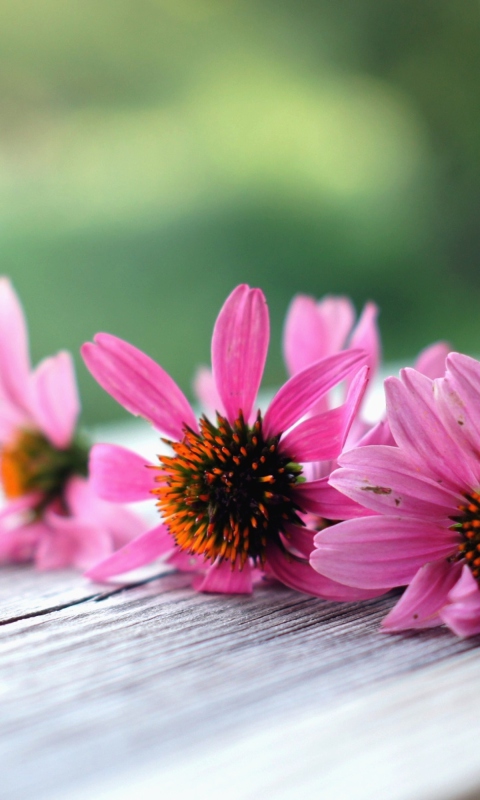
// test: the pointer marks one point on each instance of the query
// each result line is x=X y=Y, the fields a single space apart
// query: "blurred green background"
x=154 y=153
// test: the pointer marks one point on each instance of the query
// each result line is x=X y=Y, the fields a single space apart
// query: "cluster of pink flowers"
x=304 y=491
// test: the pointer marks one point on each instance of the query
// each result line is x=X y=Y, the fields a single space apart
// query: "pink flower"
x=425 y=493
x=51 y=514
x=231 y=492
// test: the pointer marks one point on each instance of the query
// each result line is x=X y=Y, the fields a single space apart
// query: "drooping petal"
x=206 y=390
x=419 y=431
x=300 y=393
x=14 y=353
x=419 y=605
x=239 y=349
x=366 y=337
x=139 y=384
x=431 y=360
x=300 y=576
x=318 y=497
x=220 y=578
x=71 y=542
x=383 y=479
x=462 y=611
x=299 y=538
x=375 y=552
x=305 y=335
x=322 y=436
x=120 y=475
x=55 y=403
x=143 y=550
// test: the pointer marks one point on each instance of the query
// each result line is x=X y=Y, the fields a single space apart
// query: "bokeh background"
x=154 y=153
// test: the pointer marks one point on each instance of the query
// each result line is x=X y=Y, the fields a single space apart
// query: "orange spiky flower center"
x=30 y=463
x=467 y=523
x=226 y=491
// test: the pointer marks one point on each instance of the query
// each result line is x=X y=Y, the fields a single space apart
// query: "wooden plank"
x=157 y=673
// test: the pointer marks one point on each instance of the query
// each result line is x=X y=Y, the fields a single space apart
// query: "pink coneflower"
x=51 y=514
x=231 y=491
x=426 y=493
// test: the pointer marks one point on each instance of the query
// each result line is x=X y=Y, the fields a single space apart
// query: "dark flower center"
x=30 y=463
x=227 y=491
x=467 y=523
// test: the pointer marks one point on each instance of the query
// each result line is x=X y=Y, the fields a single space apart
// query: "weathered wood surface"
x=157 y=692
x=154 y=691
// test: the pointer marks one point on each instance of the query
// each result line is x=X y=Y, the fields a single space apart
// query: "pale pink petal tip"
x=119 y=475
x=143 y=550
x=239 y=349
x=14 y=351
x=206 y=390
x=305 y=334
x=222 y=579
x=366 y=336
x=55 y=403
x=462 y=611
x=431 y=360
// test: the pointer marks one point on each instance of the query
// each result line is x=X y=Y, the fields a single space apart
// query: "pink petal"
x=121 y=524
x=419 y=431
x=55 y=402
x=119 y=475
x=321 y=437
x=14 y=355
x=318 y=497
x=222 y=579
x=300 y=576
x=374 y=552
x=139 y=384
x=431 y=361
x=305 y=334
x=378 y=434
x=143 y=550
x=338 y=315
x=383 y=479
x=239 y=349
x=366 y=336
x=418 y=607
x=458 y=398
x=184 y=561
x=462 y=611
x=299 y=538
x=301 y=392
x=206 y=390
x=71 y=542
x=18 y=544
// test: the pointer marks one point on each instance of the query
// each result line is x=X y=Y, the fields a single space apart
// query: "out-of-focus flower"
x=425 y=493
x=50 y=514
x=232 y=491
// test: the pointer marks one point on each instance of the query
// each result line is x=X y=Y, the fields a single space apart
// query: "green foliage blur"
x=155 y=153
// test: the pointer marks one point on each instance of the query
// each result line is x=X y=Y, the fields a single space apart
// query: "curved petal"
x=375 y=552
x=304 y=335
x=206 y=391
x=139 y=384
x=143 y=550
x=55 y=403
x=458 y=397
x=431 y=360
x=220 y=578
x=419 y=605
x=300 y=393
x=120 y=475
x=462 y=611
x=71 y=542
x=184 y=561
x=299 y=538
x=321 y=437
x=318 y=497
x=383 y=479
x=14 y=353
x=419 y=431
x=366 y=336
x=300 y=576
x=338 y=316
x=18 y=544
x=239 y=349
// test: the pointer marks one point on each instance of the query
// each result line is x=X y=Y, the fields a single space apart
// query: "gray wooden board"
x=96 y=685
